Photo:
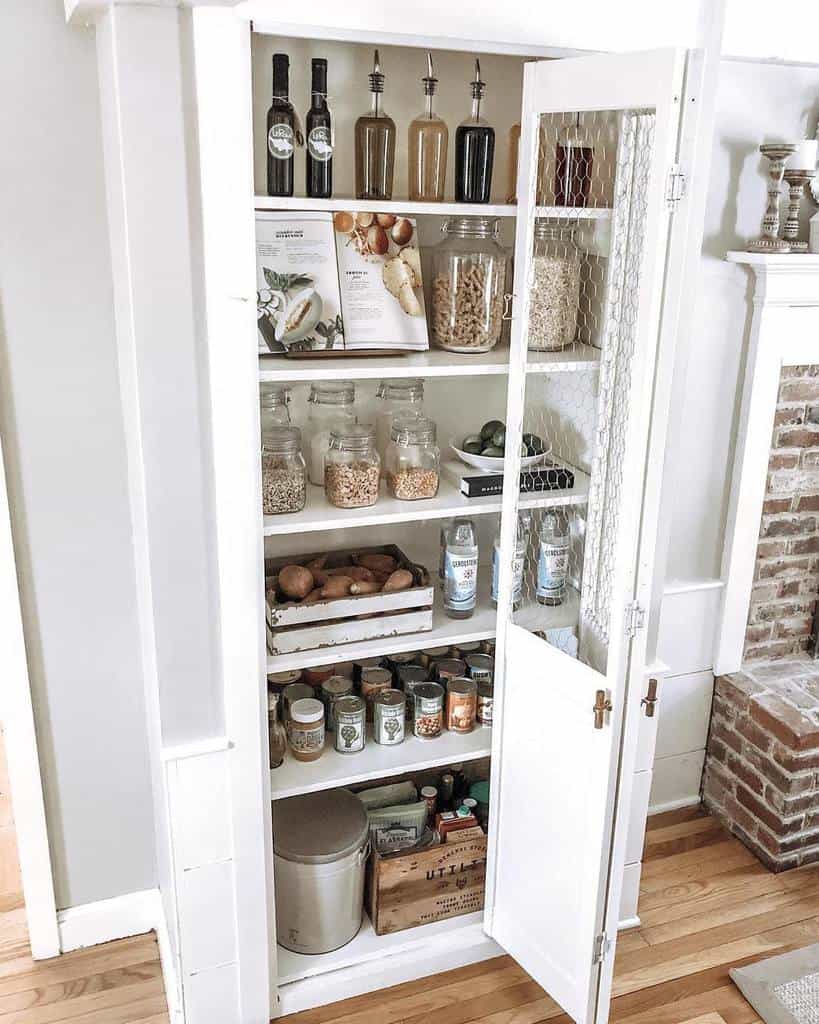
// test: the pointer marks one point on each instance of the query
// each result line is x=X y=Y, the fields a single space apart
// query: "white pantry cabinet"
x=570 y=676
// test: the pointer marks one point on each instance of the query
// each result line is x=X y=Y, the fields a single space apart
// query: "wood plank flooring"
x=706 y=905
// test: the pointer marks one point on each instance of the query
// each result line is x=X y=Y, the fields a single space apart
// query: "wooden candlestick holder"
x=796 y=181
x=769 y=241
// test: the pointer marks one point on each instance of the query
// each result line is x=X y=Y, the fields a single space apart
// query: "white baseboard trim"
x=674 y=805
x=628 y=922
x=135 y=913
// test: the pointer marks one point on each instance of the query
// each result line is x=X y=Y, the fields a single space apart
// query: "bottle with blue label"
x=460 y=569
x=521 y=544
x=553 y=558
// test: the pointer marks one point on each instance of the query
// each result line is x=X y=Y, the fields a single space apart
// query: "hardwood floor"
x=119 y=983
x=706 y=905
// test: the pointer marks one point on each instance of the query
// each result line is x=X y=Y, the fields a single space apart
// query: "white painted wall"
x=62 y=432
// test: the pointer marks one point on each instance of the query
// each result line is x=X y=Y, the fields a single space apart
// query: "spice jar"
x=332 y=407
x=555 y=294
x=413 y=459
x=352 y=467
x=395 y=398
x=306 y=729
x=273 y=406
x=388 y=717
x=373 y=682
x=332 y=691
x=428 y=710
x=469 y=277
x=461 y=704
x=284 y=474
x=350 y=730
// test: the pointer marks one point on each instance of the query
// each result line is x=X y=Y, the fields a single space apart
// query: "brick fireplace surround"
x=762 y=765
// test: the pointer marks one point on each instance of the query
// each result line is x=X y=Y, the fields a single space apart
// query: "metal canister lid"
x=449 y=668
x=435 y=652
x=462 y=684
x=390 y=698
x=349 y=706
x=319 y=828
x=428 y=691
x=461 y=650
x=308 y=709
x=376 y=676
x=412 y=674
x=293 y=675
x=480 y=665
x=337 y=686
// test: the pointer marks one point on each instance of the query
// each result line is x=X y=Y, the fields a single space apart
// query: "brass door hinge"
x=602 y=705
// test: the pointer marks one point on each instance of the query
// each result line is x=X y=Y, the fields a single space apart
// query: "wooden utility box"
x=409 y=889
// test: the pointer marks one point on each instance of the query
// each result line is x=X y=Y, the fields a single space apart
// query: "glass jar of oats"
x=468 y=284
x=555 y=294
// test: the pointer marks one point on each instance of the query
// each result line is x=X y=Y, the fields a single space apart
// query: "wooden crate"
x=293 y=627
x=409 y=889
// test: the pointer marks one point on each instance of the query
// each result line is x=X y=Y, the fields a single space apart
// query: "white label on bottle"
x=460 y=581
x=319 y=145
x=280 y=141
x=517 y=575
x=552 y=568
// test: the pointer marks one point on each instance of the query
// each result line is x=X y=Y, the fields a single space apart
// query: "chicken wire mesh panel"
x=583 y=288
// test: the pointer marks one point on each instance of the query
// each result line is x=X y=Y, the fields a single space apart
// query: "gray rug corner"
x=783 y=989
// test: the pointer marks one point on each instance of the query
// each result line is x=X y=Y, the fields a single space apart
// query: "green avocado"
x=489 y=428
x=492 y=452
x=471 y=446
x=499 y=437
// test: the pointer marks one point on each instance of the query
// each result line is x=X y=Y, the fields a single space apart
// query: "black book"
x=474 y=484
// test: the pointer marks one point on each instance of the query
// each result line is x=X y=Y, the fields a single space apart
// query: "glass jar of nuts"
x=284 y=473
x=352 y=467
x=413 y=459
x=468 y=284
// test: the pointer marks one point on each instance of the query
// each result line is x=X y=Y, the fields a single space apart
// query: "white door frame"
x=25 y=783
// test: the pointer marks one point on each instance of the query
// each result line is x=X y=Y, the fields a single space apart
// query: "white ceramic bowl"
x=488 y=462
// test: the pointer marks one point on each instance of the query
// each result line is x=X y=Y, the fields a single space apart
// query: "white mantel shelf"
x=784 y=332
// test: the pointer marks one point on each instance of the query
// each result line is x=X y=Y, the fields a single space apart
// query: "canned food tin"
x=449 y=668
x=481 y=667
x=374 y=681
x=388 y=717
x=462 y=650
x=488 y=646
x=279 y=680
x=431 y=654
x=332 y=690
x=350 y=728
x=397 y=661
x=409 y=676
x=363 y=663
x=461 y=704
x=343 y=668
x=316 y=676
x=428 y=710
x=486 y=700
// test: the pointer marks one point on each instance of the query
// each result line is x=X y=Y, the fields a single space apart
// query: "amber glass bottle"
x=374 y=144
x=428 y=141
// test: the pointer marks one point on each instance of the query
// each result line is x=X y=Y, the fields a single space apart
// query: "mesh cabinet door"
x=598 y=136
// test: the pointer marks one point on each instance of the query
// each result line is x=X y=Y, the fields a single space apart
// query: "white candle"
x=804 y=159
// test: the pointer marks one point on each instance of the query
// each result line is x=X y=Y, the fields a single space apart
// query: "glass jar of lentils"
x=468 y=283
x=352 y=468
x=284 y=473
x=413 y=459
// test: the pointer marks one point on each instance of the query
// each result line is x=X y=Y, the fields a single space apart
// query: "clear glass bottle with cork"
x=374 y=144
x=428 y=143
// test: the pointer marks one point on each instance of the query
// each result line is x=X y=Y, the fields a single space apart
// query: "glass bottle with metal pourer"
x=374 y=144
x=428 y=141
x=474 y=150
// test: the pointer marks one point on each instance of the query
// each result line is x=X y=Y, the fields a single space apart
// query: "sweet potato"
x=313 y=596
x=337 y=586
x=377 y=562
x=360 y=573
x=365 y=587
x=401 y=579
x=317 y=563
x=295 y=581
x=320 y=577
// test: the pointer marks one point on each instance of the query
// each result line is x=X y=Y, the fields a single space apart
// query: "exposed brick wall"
x=761 y=771
x=783 y=599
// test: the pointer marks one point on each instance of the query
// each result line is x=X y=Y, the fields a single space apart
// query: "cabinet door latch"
x=602 y=945
x=635 y=619
x=602 y=705
x=675 y=186
x=649 y=702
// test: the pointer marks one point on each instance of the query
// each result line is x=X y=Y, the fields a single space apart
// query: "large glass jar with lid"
x=555 y=294
x=273 y=405
x=352 y=467
x=468 y=284
x=413 y=459
x=284 y=474
x=332 y=407
x=399 y=397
